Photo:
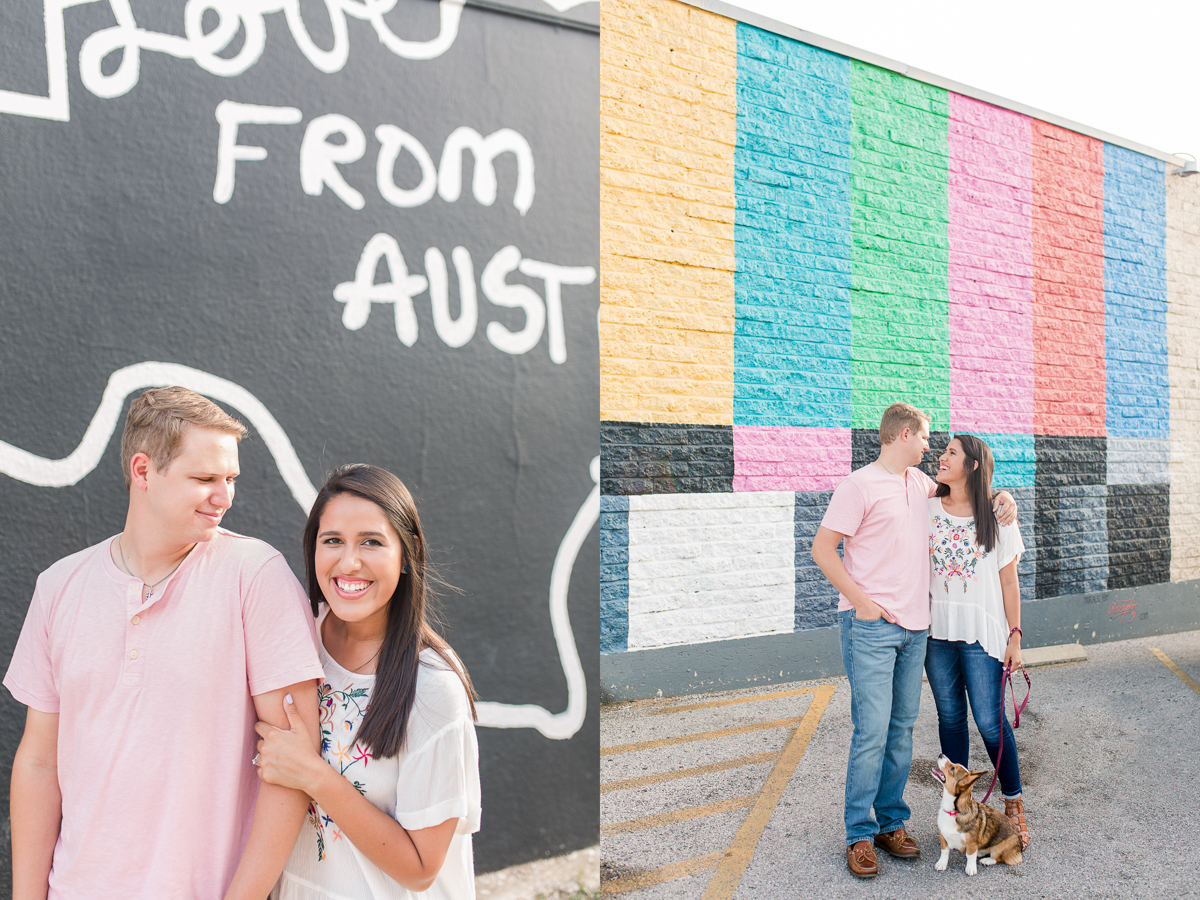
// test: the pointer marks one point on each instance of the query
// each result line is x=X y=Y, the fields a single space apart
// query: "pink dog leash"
x=1006 y=676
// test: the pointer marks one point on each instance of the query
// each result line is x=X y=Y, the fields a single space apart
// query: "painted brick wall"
x=665 y=459
x=792 y=327
x=1183 y=342
x=1068 y=284
x=899 y=208
x=880 y=239
x=991 y=270
x=667 y=132
x=705 y=567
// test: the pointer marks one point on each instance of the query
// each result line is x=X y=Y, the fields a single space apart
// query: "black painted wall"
x=115 y=252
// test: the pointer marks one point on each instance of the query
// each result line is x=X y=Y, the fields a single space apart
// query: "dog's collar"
x=950 y=812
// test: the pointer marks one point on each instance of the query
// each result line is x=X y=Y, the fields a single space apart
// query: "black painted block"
x=1071 y=535
x=665 y=459
x=816 y=598
x=1139 y=534
x=1064 y=460
x=864 y=449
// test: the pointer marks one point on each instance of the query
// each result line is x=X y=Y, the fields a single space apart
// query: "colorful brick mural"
x=886 y=239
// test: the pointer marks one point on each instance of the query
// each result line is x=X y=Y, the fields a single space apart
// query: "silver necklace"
x=150 y=592
x=885 y=468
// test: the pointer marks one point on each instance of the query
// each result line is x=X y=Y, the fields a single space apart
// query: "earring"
x=404 y=569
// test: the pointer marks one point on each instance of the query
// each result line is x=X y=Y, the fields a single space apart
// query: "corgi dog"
x=967 y=825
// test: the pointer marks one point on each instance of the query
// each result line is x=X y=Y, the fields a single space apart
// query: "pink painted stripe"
x=991 y=269
x=785 y=458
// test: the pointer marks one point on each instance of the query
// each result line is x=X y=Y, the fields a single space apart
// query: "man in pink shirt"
x=881 y=512
x=145 y=662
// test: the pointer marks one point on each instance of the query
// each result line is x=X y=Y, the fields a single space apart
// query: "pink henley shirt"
x=156 y=717
x=885 y=519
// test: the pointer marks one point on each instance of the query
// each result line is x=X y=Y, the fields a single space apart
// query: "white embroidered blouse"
x=964 y=580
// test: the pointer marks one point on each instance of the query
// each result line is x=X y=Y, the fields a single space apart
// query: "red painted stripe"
x=1069 y=385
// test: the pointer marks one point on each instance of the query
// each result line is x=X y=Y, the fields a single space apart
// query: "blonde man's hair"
x=896 y=418
x=156 y=422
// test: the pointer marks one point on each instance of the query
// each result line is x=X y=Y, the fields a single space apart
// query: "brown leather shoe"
x=899 y=844
x=860 y=857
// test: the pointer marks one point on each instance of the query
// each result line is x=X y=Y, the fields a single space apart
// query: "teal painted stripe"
x=792 y=234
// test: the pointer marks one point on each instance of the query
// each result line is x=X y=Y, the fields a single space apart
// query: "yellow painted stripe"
x=680 y=815
x=752 y=699
x=643 y=780
x=701 y=736
x=665 y=873
x=1183 y=676
x=733 y=865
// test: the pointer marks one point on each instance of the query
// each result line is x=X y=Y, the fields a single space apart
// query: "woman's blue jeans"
x=957 y=671
x=883 y=662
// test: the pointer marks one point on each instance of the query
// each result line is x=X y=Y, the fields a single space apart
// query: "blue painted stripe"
x=614 y=573
x=792 y=239
x=1135 y=295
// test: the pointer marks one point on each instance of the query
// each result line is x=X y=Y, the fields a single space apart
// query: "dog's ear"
x=965 y=783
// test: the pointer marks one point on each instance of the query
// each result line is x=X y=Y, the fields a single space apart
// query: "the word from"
x=540 y=315
x=204 y=47
x=320 y=158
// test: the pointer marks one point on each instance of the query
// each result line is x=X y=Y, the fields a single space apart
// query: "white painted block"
x=710 y=567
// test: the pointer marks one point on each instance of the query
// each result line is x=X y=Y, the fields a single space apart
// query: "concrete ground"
x=739 y=794
x=575 y=876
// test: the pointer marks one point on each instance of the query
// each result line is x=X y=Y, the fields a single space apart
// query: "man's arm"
x=35 y=806
x=824 y=554
x=279 y=812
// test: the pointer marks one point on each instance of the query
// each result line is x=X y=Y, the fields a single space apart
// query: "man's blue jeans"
x=958 y=670
x=883 y=662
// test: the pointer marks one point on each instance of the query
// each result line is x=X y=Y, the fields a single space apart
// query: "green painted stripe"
x=900 y=293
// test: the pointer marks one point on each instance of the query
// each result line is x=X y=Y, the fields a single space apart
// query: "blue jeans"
x=957 y=671
x=883 y=662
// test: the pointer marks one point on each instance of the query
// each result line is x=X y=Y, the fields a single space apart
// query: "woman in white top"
x=395 y=789
x=975 y=613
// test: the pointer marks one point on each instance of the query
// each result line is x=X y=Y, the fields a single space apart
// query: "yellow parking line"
x=751 y=699
x=680 y=815
x=1183 y=676
x=643 y=780
x=658 y=876
x=733 y=864
x=701 y=736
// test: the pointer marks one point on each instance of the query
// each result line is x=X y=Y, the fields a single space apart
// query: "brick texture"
x=1183 y=348
x=667 y=134
x=1068 y=282
x=1139 y=534
x=789 y=459
x=665 y=459
x=792 y=165
x=816 y=598
x=614 y=573
x=991 y=269
x=900 y=294
x=1135 y=296
x=709 y=567
x=793 y=240
x=1071 y=515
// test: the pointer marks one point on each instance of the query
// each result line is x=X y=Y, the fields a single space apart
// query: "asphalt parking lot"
x=739 y=794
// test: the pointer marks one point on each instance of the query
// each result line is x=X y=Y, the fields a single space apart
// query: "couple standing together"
x=929 y=580
x=160 y=667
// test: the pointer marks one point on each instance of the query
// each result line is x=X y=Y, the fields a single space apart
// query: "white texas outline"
x=25 y=466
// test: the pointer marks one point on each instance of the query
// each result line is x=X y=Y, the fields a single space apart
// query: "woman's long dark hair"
x=410 y=619
x=979 y=488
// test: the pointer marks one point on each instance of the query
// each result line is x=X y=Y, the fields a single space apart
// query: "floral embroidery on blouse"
x=340 y=712
x=954 y=551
